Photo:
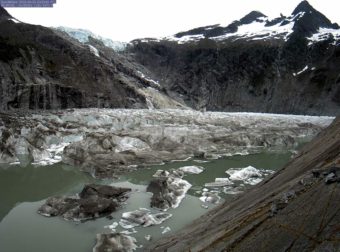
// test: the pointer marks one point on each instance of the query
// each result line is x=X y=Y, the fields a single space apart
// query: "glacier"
x=107 y=142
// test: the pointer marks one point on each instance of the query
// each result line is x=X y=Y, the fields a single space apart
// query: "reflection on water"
x=30 y=183
x=22 y=191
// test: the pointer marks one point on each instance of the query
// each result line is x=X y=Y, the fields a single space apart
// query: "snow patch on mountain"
x=94 y=50
x=258 y=31
x=325 y=34
x=261 y=28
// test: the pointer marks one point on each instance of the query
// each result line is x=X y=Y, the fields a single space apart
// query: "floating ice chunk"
x=127 y=224
x=179 y=189
x=147 y=237
x=249 y=175
x=192 y=169
x=232 y=190
x=200 y=161
x=113 y=226
x=204 y=206
x=145 y=218
x=243 y=173
x=128 y=232
x=219 y=182
x=181 y=160
x=210 y=197
x=166 y=230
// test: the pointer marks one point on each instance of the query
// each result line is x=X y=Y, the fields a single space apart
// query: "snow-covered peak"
x=304 y=21
x=304 y=6
x=83 y=35
x=260 y=28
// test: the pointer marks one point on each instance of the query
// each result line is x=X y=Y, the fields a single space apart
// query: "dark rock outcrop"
x=43 y=68
x=298 y=205
x=4 y=15
x=93 y=201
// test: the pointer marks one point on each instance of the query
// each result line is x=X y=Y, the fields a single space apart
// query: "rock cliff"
x=44 y=68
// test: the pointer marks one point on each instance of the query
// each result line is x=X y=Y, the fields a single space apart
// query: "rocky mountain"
x=289 y=64
x=45 y=68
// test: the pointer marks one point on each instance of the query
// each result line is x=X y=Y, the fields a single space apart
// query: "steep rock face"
x=295 y=209
x=286 y=65
x=43 y=68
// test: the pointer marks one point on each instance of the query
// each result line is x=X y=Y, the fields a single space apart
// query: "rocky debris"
x=145 y=217
x=297 y=205
x=116 y=242
x=107 y=143
x=93 y=201
x=330 y=175
x=168 y=190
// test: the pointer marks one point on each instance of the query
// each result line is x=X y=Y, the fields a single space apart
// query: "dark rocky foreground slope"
x=286 y=65
x=296 y=209
x=43 y=68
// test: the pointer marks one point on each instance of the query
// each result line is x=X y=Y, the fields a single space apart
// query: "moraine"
x=237 y=149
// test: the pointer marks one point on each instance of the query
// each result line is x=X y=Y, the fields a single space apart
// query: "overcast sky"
x=125 y=20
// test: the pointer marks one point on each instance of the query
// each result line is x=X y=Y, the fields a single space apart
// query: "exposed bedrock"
x=108 y=142
x=295 y=209
x=93 y=201
x=43 y=68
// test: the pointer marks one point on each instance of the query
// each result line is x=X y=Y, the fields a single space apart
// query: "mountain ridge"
x=255 y=64
x=281 y=65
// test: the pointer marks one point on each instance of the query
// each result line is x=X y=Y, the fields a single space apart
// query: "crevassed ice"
x=83 y=35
